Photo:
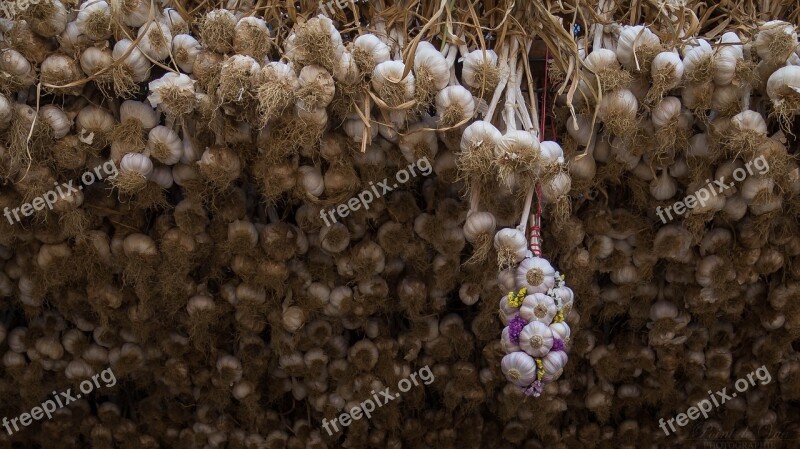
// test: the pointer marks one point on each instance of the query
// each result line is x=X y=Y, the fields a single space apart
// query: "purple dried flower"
x=558 y=345
x=515 y=326
x=535 y=389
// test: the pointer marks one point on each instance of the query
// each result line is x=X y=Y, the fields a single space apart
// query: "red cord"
x=536 y=228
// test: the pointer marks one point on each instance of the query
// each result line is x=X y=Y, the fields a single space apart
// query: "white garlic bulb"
x=536 y=339
x=775 y=41
x=388 y=82
x=316 y=88
x=667 y=70
x=138 y=163
x=519 y=368
x=164 y=145
x=173 y=93
x=538 y=307
x=536 y=275
x=727 y=57
x=646 y=43
x=369 y=51
x=155 y=40
x=481 y=71
x=512 y=243
x=185 y=49
x=137 y=64
x=94 y=20
x=783 y=88
x=430 y=68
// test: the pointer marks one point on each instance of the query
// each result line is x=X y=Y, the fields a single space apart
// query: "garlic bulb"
x=94 y=59
x=94 y=20
x=553 y=363
x=46 y=18
x=388 y=82
x=618 y=111
x=135 y=64
x=252 y=38
x=20 y=70
x=217 y=30
x=173 y=93
x=783 y=88
x=536 y=275
x=311 y=180
x=59 y=123
x=511 y=245
x=646 y=43
x=481 y=71
x=155 y=40
x=316 y=88
x=454 y=105
x=663 y=187
x=538 y=307
x=519 y=368
x=59 y=71
x=699 y=63
x=139 y=163
x=418 y=143
x=666 y=71
x=185 y=49
x=237 y=78
x=536 y=339
x=775 y=41
x=478 y=147
x=432 y=73
x=477 y=224
x=561 y=331
x=369 y=51
x=727 y=58
x=164 y=145
x=580 y=129
x=604 y=65
x=220 y=165
x=162 y=176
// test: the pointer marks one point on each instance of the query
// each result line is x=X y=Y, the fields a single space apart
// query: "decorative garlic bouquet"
x=534 y=311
